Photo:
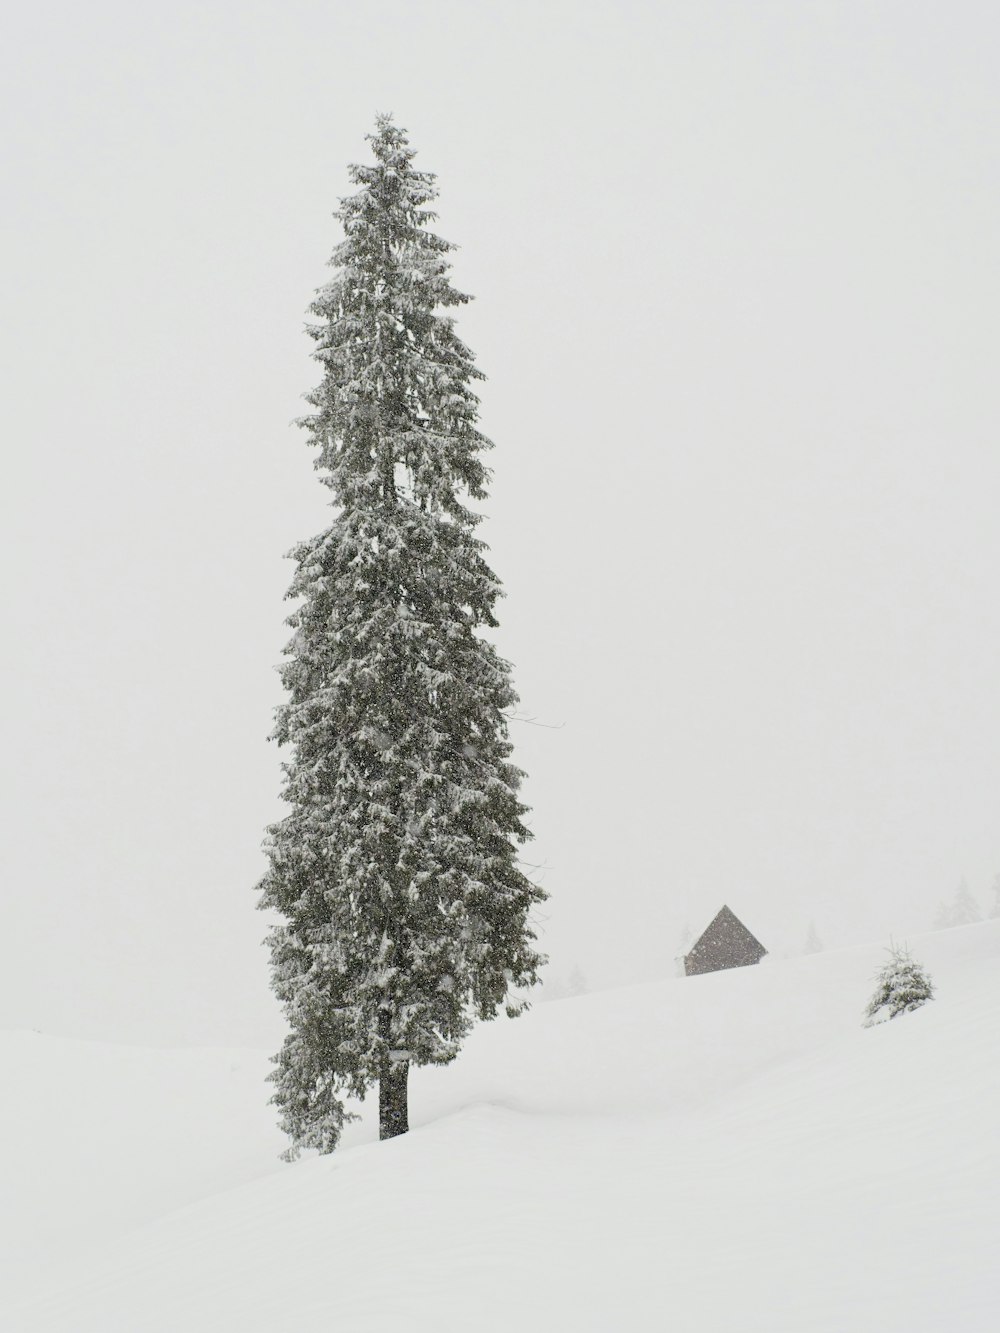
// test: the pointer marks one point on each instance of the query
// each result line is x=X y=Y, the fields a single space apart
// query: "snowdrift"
x=719 y=1152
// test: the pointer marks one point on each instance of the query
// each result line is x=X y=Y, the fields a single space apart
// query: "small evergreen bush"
x=902 y=985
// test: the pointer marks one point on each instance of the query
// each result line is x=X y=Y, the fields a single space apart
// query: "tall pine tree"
x=405 y=913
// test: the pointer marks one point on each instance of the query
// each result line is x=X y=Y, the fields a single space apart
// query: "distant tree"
x=942 y=917
x=563 y=988
x=813 y=942
x=553 y=987
x=577 y=981
x=962 y=910
x=965 y=909
x=901 y=985
x=995 y=889
x=405 y=911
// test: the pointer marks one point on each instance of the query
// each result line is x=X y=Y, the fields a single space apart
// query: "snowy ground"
x=725 y=1152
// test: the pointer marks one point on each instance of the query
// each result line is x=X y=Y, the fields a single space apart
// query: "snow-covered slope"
x=728 y=1151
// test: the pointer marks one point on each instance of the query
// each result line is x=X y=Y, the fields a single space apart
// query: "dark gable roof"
x=725 y=942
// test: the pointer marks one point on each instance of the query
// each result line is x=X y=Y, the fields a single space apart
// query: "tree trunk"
x=392 y=1109
x=393 y=1116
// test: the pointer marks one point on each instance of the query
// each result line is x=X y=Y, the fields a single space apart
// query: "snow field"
x=728 y=1151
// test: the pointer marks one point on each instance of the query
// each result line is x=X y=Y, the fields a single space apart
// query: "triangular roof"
x=725 y=942
x=726 y=918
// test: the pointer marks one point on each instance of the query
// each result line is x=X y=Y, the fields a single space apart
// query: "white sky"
x=737 y=296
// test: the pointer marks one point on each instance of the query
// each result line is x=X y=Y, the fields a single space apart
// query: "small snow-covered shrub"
x=902 y=985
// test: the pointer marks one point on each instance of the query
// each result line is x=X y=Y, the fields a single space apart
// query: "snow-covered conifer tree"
x=406 y=914
x=577 y=984
x=813 y=942
x=901 y=985
x=995 y=888
x=963 y=909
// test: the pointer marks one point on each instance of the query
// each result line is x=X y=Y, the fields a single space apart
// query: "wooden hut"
x=726 y=942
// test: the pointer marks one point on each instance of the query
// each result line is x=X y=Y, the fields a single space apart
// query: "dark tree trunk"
x=393 y=1117
x=392 y=1109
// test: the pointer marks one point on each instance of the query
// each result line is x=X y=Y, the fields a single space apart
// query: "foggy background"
x=737 y=295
